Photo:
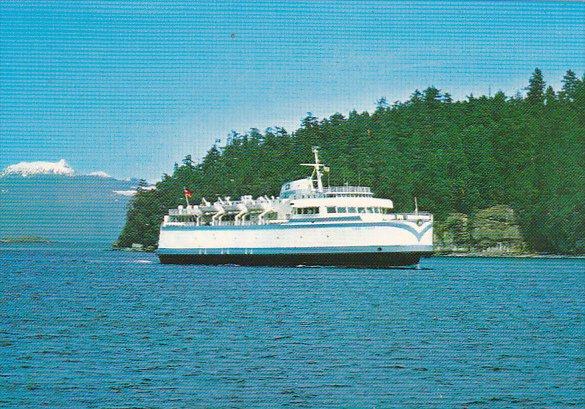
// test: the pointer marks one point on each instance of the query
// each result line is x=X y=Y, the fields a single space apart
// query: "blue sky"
x=130 y=88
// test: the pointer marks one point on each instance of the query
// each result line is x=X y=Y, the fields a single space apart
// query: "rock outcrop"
x=490 y=232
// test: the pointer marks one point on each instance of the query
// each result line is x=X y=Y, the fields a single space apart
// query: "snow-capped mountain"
x=61 y=167
x=99 y=174
x=50 y=200
x=39 y=168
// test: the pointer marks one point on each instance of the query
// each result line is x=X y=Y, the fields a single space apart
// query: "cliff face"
x=452 y=235
x=492 y=231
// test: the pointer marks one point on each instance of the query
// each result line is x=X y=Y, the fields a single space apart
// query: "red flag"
x=188 y=193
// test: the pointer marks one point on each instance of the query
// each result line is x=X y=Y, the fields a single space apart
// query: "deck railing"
x=347 y=189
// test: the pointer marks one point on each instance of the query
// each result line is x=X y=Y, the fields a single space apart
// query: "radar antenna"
x=317 y=173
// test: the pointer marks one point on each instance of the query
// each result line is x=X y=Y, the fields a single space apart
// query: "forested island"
x=497 y=171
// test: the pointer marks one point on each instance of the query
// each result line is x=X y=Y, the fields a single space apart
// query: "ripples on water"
x=108 y=329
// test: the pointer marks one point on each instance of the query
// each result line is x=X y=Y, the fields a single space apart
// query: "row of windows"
x=332 y=209
x=383 y=210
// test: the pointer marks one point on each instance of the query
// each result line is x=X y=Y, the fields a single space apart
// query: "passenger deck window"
x=361 y=209
x=331 y=209
x=307 y=210
x=342 y=210
x=351 y=210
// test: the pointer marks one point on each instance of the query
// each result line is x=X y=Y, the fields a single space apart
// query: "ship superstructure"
x=308 y=224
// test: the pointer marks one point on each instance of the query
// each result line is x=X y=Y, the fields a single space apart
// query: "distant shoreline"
x=24 y=239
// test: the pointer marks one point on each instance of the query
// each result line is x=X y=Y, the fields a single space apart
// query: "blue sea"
x=88 y=328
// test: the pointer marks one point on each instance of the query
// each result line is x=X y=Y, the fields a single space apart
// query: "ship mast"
x=316 y=170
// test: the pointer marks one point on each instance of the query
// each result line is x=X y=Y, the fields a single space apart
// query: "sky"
x=130 y=88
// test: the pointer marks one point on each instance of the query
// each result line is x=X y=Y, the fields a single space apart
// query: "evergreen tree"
x=381 y=105
x=309 y=121
x=570 y=84
x=188 y=161
x=416 y=97
x=550 y=97
x=142 y=184
x=536 y=87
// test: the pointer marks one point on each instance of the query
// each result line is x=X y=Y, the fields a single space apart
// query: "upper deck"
x=299 y=200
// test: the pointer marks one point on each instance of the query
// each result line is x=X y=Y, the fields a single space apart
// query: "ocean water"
x=87 y=328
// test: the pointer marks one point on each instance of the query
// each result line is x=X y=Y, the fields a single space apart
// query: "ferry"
x=307 y=225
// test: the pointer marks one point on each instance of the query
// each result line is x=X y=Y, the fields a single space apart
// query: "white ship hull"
x=354 y=243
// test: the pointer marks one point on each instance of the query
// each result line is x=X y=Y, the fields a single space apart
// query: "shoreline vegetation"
x=503 y=175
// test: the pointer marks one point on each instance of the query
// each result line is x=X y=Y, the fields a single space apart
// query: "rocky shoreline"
x=138 y=248
x=491 y=232
x=472 y=254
